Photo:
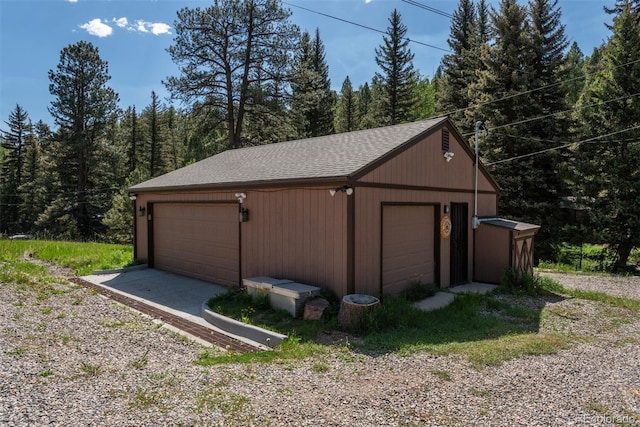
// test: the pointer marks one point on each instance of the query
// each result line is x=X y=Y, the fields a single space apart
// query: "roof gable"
x=333 y=156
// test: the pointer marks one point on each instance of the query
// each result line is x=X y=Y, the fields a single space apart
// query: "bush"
x=520 y=282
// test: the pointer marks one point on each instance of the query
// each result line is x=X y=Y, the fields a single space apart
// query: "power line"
x=568 y=144
x=428 y=8
x=514 y=95
x=363 y=26
x=546 y=116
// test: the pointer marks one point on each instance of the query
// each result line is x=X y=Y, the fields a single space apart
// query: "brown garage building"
x=360 y=212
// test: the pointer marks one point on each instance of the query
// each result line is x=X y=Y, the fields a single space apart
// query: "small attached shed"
x=511 y=244
x=368 y=212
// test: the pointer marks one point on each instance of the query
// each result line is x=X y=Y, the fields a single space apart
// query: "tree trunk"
x=354 y=309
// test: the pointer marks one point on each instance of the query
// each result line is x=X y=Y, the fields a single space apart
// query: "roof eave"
x=230 y=186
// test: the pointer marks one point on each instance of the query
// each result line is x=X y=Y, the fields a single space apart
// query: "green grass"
x=256 y=311
x=628 y=303
x=483 y=329
x=83 y=258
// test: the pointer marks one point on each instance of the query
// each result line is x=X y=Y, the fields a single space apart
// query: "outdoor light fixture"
x=344 y=188
x=448 y=156
x=141 y=210
x=132 y=196
x=241 y=197
x=446 y=209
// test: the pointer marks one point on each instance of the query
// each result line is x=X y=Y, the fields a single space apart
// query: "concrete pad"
x=473 y=288
x=439 y=300
x=183 y=296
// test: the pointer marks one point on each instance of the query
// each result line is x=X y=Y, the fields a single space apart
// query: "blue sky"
x=133 y=35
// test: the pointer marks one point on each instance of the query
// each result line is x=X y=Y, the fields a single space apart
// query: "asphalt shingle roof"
x=332 y=156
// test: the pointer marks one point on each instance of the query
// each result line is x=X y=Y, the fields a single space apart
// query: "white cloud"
x=72 y=1
x=141 y=26
x=121 y=22
x=100 y=28
x=368 y=1
x=96 y=27
x=156 y=28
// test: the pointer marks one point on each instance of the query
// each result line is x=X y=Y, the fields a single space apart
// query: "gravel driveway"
x=72 y=358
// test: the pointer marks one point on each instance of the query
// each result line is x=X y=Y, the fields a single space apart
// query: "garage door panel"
x=408 y=247
x=198 y=239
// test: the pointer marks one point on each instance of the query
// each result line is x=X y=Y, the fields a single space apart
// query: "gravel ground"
x=71 y=357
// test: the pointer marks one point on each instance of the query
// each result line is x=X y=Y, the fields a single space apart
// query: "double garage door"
x=200 y=240
x=408 y=246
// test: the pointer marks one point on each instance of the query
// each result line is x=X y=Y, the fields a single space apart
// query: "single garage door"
x=200 y=240
x=407 y=246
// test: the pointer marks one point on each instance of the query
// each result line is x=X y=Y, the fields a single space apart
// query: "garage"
x=407 y=246
x=200 y=240
x=353 y=213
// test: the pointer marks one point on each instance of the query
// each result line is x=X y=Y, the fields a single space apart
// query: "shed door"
x=459 y=244
x=407 y=247
x=200 y=240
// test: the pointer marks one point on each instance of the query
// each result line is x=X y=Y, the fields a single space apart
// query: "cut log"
x=354 y=308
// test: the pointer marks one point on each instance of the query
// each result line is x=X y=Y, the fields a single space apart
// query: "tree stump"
x=354 y=308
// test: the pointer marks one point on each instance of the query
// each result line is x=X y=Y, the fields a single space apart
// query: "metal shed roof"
x=510 y=224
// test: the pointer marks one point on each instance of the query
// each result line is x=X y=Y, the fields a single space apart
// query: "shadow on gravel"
x=470 y=318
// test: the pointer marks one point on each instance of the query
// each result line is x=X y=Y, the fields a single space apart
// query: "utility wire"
x=514 y=95
x=546 y=116
x=428 y=8
x=568 y=144
x=364 y=26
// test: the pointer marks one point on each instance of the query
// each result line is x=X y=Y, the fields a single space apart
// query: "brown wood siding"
x=408 y=251
x=424 y=165
x=493 y=250
x=200 y=240
x=296 y=234
x=368 y=230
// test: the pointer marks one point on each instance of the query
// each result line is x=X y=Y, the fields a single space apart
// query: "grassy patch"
x=83 y=258
x=483 y=328
x=628 y=303
x=256 y=311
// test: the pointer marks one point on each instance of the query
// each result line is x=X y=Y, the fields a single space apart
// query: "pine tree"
x=227 y=53
x=313 y=103
x=82 y=108
x=363 y=103
x=574 y=71
x=459 y=67
x=155 y=135
x=611 y=167
x=14 y=142
x=398 y=76
x=347 y=111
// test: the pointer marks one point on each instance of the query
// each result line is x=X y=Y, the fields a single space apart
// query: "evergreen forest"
x=558 y=128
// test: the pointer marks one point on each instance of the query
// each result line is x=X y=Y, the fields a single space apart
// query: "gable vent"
x=445 y=139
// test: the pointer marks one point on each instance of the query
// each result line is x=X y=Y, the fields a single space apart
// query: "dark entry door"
x=459 y=243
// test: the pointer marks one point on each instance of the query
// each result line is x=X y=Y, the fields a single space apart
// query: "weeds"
x=140 y=362
x=91 y=370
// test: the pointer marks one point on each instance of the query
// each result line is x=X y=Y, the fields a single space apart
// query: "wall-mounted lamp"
x=241 y=197
x=446 y=209
x=244 y=215
x=141 y=210
x=448 y=156
x=344 y=188
x=132 y=196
